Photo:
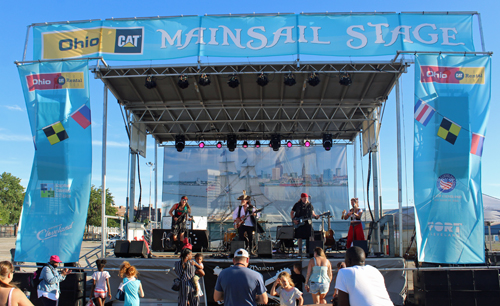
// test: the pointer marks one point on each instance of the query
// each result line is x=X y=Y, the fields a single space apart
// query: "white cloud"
x=14 y=108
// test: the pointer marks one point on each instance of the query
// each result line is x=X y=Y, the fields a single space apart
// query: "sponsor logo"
x=452 y=75
x=52 y=81
x=444 y=229
x=83 y=42
x=53 y=232
x=264 y=268
x=446 y=183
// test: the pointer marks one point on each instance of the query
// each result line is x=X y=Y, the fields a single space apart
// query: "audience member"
x=289 y=295
x=9 y=294
x=48 y=288
x=319 y=276
x=185 y=270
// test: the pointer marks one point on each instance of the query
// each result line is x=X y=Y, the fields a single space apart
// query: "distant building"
x=338 y=172
x=327 y=175
x=121 y=210
x=276 y=174
x=144 y=213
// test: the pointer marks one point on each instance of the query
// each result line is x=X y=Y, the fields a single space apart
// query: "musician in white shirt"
x=244 y=217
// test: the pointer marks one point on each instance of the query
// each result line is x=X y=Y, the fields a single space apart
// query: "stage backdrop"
x=452 y=95
x=56 y=201
x=214 y=178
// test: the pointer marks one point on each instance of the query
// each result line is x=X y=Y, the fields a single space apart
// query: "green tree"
x=11 y=198
x=94 y=213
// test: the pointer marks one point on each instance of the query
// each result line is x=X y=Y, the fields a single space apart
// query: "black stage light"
x=180 y=142
x=345 y=79
x=257 y=144
x=290 y=80
x=327 y=141
x=262 y=80
x=231 y=142
x=204 y=80
x=313 y=79
x=245 y=144
x=150 y=82
x=275 y=142
x=233 y=81
x=183 y=82
x=219 y=145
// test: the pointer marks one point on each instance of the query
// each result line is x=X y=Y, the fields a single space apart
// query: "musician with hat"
x=245 y=220
x=302 y=214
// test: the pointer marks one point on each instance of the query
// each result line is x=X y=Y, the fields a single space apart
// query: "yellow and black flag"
x=55 y=133
x=448 y=130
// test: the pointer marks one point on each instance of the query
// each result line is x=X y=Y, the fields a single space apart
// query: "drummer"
x=244 y=220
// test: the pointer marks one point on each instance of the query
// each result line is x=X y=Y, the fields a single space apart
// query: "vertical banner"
x=452 y=95
x=56 y=201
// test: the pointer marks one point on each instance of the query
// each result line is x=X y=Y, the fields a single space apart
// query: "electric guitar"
x=303 y=221
x=241 y=220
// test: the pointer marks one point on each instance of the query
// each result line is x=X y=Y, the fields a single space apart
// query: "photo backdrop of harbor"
x=213 y=179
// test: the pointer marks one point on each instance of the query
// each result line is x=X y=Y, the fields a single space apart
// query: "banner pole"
x=481 y=32
x=355 y=166
x=156 y=183
x=103 y=185
x=400 y=167
x=26 y=42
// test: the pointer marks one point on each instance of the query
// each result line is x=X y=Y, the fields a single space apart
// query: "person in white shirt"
x=100 y=286
x=360 y=284
x=244 y=217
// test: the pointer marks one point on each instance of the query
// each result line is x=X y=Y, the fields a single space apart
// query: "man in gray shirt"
x=238 y=285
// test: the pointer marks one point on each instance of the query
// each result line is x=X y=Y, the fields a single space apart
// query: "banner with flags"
x=452 y=95
x=57 y=198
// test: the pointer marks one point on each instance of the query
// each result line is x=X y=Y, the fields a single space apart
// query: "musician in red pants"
x=356 y=227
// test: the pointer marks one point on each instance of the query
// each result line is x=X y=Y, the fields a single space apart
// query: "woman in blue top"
x=319 y=276
x=48 y=289
x=131 y=285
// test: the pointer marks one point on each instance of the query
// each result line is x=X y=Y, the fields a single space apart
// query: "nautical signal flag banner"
x=56 y=201
x=448 y=146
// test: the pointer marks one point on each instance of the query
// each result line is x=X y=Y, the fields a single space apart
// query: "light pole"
x=151 y=168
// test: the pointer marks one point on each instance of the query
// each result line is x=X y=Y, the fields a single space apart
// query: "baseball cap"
x=241 y=253
x=303 y=195
x=55 y=258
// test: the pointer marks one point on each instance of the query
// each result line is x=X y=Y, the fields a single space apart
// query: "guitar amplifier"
x=284 y=232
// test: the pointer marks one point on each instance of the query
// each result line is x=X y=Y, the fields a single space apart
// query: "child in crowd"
x=287 y=292
x=340 y=265
x=100 y=286
x=297 y=277
x=198 y=263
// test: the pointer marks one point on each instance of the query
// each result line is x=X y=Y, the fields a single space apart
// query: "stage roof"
x=252 y=112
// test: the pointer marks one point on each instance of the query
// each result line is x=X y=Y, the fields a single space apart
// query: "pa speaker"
x=362 y=244
x=236 y=245
x=311 y=245
x=138 y=249
x=265 y=249
x=199 y=240
x=121 y=248
x=284 y=232
x=73 y=289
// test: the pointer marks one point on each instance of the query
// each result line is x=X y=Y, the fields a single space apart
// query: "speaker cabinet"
x=199 y=240
x=138 y=249
x=311 y=245
x=121 y=248
x=362 y=244
x=73 y=289
x=265 y=249
x=236 y=245
x=284 y=232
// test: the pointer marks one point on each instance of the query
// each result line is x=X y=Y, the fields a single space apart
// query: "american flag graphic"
x=445 y=185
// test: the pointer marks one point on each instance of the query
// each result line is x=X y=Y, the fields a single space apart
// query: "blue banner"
x=255 y=36
x=452 y=95
x=57 y=198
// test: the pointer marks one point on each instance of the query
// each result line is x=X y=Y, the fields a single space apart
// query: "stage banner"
x=57 y=198
x=452 y=95
x=162 y=38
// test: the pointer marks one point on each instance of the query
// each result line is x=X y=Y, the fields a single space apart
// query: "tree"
x=94 y=213
x=11 y=198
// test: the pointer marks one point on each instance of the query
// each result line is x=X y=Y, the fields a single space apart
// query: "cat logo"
x=129 y=40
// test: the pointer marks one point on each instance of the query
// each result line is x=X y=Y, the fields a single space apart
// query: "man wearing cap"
x=238 y=285
x=244 y=220
x=303 y=211
x=48 y=289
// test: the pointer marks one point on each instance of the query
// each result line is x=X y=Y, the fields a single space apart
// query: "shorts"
x=319 y=288
x=99 y=293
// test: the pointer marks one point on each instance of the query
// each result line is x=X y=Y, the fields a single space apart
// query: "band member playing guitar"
x=244 y=217
x=180 y=213
x=302 y=214
x=356 y=227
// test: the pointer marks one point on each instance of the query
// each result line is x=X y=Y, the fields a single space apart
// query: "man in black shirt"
x=302 y=214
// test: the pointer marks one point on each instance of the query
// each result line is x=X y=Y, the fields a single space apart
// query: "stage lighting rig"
x=313 y=79
x=257 y=144
x=289 y=144
x=231 y=142
x=150 y=82
x=180 y=142
x=290 y=80
x=183 y=82
x=245 y=144
x=233 y=81
x=327 y=141
x=201 y=144
x=345 y=79
x=219 y=145
x=275 y=142
x=262 y=80
x=307 y=143
x=204 y=80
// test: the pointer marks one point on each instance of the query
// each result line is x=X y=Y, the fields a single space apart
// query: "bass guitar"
x=241 y=220
x=303 y=221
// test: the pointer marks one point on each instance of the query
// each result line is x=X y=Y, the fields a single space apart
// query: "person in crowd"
x=198 y=263
x=10 y=295
x=48 y=289
x=359 y=284
x=130 y=285
x=302 y=214
x=340 y=265
x=297 y=277
x=244 y=217
x=319 y=276
x=180 y=213
x=238 y=285
x=289 y=295
x=100 y=285
x=356 y=227
x=186 y=271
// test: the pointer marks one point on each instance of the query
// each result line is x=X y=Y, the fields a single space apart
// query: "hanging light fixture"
x=219 y=145
x=289 y=144
x=150 y=82
x=204 y=80
x=257 y=144
x=262 y=80
x=275 y=142
x=233 y=81
x=231 y=142
x=313 y=79
x=180 y=142
x=289 y=80
x=201 y=144
x=327 y=141
x=245 y=144
x=307 y=143
x=183 y=82
x=345 y=79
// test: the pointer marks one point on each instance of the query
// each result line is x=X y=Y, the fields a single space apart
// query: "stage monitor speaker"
x=362 y=244
x=318 y=235
x=199 y=240
x=284 y=232
x=73 y=289
x=138 y=249
x=121 y=248
x=236 y=245
x=160 y=241
x=311 y=245
x=265 y=249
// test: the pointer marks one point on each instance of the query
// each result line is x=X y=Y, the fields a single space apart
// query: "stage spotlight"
x=245 y=144
x=307 y=143
x=233 y=81
x=289 y=144
x=231 y=142
x=183 y=82
x=290 y=80
x=275 y=142
x=180 y=142
x=204 y=80
x=219 y=145
x=257 y=144
x=313 y=79
x=327 y=141
x=345 y=79
x=262 y=80
x=150 y=82
x=201 y=144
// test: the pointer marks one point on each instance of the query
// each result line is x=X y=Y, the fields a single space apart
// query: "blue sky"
x=17 y=151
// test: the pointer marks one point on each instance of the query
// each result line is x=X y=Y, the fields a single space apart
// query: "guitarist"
x=180 y=214
x=304 y=210
x=244 y=217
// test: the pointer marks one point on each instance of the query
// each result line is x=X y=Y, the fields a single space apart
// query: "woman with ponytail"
x=10 y=295
x=186 y=271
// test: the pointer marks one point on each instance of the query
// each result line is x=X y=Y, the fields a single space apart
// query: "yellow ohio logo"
x=78 y=43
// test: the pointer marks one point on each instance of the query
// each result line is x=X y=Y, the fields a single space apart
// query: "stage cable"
x=139 y=202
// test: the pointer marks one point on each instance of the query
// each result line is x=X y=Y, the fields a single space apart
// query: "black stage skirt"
x=303 y=231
